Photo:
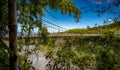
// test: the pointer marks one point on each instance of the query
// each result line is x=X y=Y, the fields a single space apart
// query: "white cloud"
x=110 y=20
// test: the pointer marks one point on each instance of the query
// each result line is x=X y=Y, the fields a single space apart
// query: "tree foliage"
x=115 y=26
x=30 y=13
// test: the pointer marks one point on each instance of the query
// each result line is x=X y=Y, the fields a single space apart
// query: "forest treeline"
x=115 y=26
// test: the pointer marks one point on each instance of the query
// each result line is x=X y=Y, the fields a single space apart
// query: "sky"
x=88 y=15
x=87 y=19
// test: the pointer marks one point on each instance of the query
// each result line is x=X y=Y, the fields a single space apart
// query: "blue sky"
x=86 y=19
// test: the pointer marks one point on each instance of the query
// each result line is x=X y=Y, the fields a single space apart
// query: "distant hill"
x=98 y=29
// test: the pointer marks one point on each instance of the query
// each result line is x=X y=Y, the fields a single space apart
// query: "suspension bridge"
x=53 y=28
x=54 y=31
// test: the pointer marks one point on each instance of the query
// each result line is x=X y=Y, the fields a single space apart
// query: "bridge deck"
x=72 y=35
x=65 y=35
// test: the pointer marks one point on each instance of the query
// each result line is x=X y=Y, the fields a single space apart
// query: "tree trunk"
x=12 y=34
